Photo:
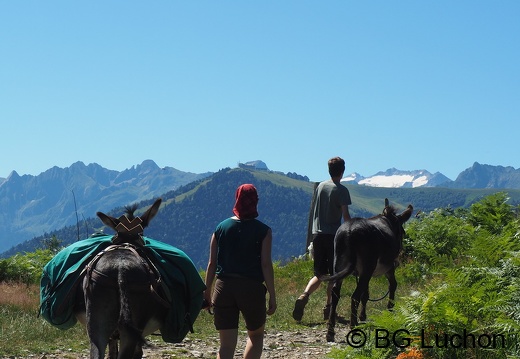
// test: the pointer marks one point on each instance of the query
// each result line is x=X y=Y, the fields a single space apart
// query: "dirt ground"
x=305 y=343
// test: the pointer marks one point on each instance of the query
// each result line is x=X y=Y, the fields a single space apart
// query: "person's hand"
x=272 y=305
x=206 y=302
x=207 y=306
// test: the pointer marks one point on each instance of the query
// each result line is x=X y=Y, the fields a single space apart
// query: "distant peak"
x=353 y=177
x=149 y=164
x=13 y=175
x=78 y=164
x=258 y=164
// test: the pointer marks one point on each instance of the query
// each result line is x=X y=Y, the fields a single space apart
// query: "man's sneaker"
x=299 y=306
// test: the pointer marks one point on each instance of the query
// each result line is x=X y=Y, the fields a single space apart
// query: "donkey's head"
x=128 y=227
x=397 y=220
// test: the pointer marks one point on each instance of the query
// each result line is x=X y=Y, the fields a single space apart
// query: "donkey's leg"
x=100 y=316
x=392 y=286
x=138 y=354
x=113 y=349
x=99 y=329
x=364 y=299
x=97 y=346
x=129 y=345
x=336 y=289
x=359 y=292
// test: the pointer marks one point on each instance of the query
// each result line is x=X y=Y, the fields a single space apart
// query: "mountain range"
x=33 y=206
x=477 y=176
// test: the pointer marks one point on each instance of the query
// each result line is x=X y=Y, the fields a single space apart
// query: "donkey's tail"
x=339 y=275
x=344 y=255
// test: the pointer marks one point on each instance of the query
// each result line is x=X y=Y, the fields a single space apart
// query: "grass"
x=23 y=333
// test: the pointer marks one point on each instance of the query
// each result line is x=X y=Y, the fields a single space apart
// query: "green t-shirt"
x=327 y=209
x=239 y=248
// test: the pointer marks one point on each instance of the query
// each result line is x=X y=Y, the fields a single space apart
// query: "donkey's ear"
x=151 y=212
x=387 y=205
x=407 y=213
x=109 y=221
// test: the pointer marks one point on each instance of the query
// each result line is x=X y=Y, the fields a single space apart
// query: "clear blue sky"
x=202 y=85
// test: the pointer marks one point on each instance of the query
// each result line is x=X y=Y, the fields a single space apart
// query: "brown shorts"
x=234 y=295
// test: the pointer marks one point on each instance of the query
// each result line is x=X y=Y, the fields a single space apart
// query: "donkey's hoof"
x=330 y=337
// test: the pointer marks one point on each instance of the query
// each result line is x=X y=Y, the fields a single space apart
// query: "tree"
x=53 y=244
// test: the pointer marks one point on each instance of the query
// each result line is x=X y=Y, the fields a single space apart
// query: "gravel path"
x=305 y=343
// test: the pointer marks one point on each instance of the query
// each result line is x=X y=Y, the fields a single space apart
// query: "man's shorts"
x=323 y=246
x=234 y=295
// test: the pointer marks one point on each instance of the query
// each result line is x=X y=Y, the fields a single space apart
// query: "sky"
x=203 y=85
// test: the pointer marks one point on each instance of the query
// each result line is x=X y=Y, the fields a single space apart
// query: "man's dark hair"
x=336 y=166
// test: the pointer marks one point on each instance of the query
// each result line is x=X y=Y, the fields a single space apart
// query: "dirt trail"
x=305 y=343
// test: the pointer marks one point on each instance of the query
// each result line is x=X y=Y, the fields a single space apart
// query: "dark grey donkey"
x=120 y=290
x=366 y=247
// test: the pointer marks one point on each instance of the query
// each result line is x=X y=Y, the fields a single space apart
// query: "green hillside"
x=191 y=213
x=457 y=298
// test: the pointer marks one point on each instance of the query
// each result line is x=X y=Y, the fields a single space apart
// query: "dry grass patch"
x=22 y=296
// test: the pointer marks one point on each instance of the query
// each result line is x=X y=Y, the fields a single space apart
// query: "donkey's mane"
x=129 y=210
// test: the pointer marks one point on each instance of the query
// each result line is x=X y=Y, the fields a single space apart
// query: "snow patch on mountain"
x=353 y=178
x=394 y=178
x=395 y=181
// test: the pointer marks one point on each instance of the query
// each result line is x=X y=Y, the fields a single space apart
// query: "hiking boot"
x=300 y=304
x=326 y=312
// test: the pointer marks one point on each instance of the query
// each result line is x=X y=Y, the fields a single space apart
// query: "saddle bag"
x=63 y=274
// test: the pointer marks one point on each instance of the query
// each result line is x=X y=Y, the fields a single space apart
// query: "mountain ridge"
x=190 y=213
x=33 y=205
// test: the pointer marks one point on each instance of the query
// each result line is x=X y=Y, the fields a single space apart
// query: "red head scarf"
x=246 y=200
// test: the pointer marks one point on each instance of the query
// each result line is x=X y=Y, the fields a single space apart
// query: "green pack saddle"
x=61 y=276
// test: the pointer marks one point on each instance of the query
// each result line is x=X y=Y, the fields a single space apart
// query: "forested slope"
x=191 y=213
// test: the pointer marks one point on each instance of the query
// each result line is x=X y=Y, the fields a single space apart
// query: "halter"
x=129 y=231
x=130 y=227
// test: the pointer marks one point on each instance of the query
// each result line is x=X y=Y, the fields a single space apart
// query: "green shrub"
x=25 y=268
